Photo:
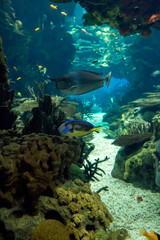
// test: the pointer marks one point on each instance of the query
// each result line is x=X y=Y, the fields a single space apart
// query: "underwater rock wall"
x=7 y=117
x=135 y=163
x=128 y=16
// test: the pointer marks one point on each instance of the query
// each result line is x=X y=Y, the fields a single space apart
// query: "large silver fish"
x=80 y=82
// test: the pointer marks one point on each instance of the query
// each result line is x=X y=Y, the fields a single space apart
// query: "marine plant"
x=92 y=169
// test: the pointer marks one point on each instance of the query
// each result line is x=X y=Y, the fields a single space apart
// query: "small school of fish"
x=80 y=82
x=55 y=7
x=77 y=128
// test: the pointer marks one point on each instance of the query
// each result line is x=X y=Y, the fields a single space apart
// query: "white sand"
x=121 y=199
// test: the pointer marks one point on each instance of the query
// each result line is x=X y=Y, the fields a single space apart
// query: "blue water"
x=63 y=44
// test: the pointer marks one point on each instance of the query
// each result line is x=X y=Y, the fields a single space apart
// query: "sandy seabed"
x=121 y=198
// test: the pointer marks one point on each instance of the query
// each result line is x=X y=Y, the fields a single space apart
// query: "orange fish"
x=84 y=30
x=154 y=18
x=149 y=236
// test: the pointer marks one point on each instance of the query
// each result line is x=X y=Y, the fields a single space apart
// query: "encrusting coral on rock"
x=128 y=16
x=32 y=165
x=50 y=230
x=76 y=211
x=136 y=164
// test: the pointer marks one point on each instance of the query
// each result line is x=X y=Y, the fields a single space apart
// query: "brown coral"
x=50 y=230
x=89 y=223
x=32 y=165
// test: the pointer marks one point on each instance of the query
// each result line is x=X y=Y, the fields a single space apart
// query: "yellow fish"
x=19 y=94
x=114 y=34
x=63 y=13
x=77 y=128
x=15 y=68
x=36 y=29
x=40 y=67
x=52 y=6
x=149 y=236
x=18 y=78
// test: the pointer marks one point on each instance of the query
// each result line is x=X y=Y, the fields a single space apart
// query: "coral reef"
x=8 y=117
x=77 y=211
x=32 y=165
x=157 y=167
x=150 y=100
x=136 y=164
x=128 y=17
x=50 y=229
x=50 y=113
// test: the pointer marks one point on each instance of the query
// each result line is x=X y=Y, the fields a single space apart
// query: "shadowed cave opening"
x=4 y=234
x=53 y=214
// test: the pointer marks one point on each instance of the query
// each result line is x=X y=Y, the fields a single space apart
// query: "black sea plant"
x=92 y=169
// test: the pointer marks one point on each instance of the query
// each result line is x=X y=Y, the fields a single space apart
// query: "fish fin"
x=107 y=79
x=74 y=89
x=142 y=232
x=97 y=129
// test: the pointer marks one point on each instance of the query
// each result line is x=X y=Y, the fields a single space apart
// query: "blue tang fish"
x=80 y=82
x=77 y=128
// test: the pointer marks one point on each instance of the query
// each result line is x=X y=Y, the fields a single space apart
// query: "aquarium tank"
x=79 y=120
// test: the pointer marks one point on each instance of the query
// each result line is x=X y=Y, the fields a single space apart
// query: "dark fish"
x=80 y=82
x=95 y=61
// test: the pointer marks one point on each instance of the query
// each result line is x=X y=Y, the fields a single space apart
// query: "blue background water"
x=60 y=45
